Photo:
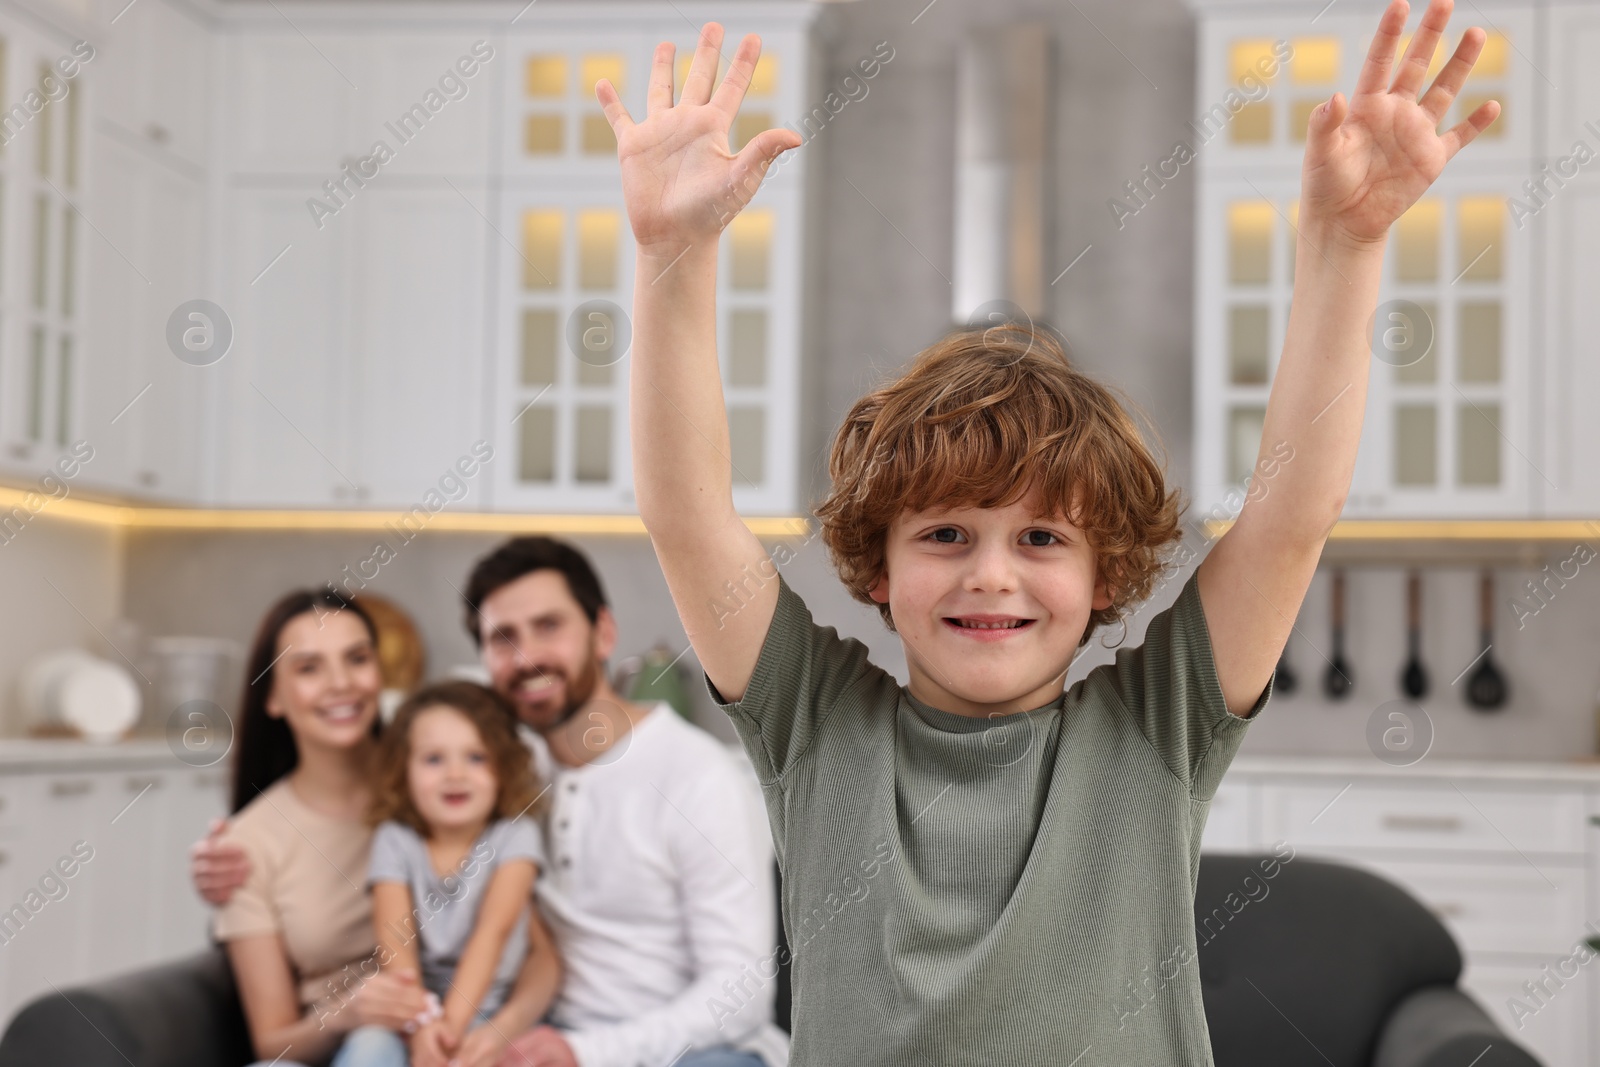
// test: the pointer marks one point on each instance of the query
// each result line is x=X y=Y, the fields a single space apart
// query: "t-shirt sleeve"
x=802 y=672
x=519 y=839
x=250 y=911
x=392 y=845
x=1169 y=685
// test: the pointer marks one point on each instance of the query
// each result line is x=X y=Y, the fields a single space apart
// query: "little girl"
x=453 y=863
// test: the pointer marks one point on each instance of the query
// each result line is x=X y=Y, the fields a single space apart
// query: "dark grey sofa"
x=1330 y=966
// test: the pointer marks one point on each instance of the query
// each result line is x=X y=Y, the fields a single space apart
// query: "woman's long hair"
x=265 y=750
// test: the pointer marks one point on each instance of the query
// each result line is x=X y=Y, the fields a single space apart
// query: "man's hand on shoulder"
x=217 y=867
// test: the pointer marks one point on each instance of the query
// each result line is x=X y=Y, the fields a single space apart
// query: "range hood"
x=1002 y=180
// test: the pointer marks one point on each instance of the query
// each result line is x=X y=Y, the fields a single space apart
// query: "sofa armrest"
x=180 y=1014
x=1440 y=1026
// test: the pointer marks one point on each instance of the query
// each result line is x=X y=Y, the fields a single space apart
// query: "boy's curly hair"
x=496 y=722
x=980 y=419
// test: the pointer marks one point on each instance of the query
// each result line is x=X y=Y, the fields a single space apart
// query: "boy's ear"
x=1102 y=593
x=879 y=590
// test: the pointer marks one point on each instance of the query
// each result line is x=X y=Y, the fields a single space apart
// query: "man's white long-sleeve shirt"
x=659 y=893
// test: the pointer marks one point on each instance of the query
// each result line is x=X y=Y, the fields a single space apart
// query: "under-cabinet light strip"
x=15 y=503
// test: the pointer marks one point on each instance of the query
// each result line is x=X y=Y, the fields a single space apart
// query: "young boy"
x=983 y=867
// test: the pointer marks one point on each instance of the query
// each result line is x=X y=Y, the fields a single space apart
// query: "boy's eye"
x=944 y=530
x=1041 y=533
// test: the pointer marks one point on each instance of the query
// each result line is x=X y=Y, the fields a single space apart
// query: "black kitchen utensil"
x=1486 y=689
x=1284 y=679
x=1414 y=679
x=1338 y=680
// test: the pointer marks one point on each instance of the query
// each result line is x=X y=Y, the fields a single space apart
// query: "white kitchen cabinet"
x=307 y=105
x=561 y=375
x=128 y=829
x=43 y=237
x=144 y=409
x=419 y=344
x=288 y=390
x=130 y=904
x=1507 y=856
x=357 y=379
x=291 y=100
x=153 y=65
x=1230 y=824
x=1459 y=404
x=53 y=945
x=1561 y=208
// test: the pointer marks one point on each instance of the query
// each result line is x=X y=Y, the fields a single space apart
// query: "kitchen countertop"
x=23 y=754
x=1579 y=770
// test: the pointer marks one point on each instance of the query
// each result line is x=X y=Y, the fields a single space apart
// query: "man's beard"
x=576 y=694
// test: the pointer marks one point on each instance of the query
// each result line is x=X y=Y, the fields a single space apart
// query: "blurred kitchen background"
x=284 y=282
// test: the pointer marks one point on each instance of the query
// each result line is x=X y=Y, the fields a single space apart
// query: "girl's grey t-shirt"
x=1012 y=890
x=445 y=909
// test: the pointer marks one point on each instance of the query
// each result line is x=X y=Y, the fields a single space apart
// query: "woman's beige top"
x=307 y=876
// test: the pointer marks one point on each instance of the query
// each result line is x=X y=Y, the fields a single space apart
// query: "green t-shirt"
x=1012 y=890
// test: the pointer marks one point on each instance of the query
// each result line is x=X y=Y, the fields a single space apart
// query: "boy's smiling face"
x=989 y=604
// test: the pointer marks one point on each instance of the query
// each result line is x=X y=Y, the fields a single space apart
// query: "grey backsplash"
x=221 y=583
x=884 y=243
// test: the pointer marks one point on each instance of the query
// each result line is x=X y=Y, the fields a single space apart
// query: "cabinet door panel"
x=292 y=99
x=1571 y=222
x=285 y=385
x=119 y=318
x=171 y=417
x=420 y=385
x=431 y=116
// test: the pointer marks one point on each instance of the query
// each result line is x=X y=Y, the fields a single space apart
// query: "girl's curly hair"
x=981 y=419
x=496 y=721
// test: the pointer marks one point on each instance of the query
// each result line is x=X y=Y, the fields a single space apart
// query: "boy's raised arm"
x=682 y=186
x=1367 y=160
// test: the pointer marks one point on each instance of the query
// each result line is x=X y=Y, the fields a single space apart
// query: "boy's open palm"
x=680 y=182
x=1370 y=158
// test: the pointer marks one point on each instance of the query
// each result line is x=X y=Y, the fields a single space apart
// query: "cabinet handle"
x=5 y=857
x=1449 y=910
x=157 y=133
x=19 y=451
x=149 y=479
x=139 y=785
x=2 y=803
x=1594 y=820
x=71 y=789
x=1422 y=822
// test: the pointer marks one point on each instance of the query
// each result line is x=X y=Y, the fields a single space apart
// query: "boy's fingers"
x=1461 y=134
x=611 y=106
x=730 y=94
x=1380 y=56
x=660 y=97
x=1436 y=101
x=1419 y=57
x=703 y=68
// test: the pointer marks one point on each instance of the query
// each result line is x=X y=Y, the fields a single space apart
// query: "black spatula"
x=1414 y=679
x=1486 y=689
x=1338 y=680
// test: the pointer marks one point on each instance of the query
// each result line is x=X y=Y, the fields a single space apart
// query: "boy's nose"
x=993 y=569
